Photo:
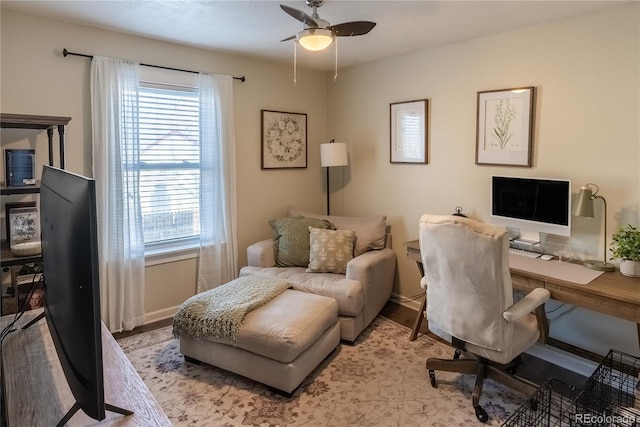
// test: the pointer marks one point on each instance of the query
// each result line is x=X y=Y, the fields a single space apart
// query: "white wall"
x=586 y=72
x=37 y=79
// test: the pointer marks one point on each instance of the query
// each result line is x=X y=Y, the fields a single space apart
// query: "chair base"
x=482 y=368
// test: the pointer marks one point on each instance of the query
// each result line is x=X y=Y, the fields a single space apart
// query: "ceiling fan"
x=317 y=33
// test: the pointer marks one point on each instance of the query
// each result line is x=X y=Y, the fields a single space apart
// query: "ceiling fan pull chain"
x=335 y=74
x=295 y=63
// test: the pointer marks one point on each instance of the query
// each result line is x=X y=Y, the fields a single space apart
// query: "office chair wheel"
x=481 y=414
x=432 y=378
x=456 y=355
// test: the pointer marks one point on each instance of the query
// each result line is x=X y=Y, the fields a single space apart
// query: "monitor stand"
x=76 y=407
x=528 y=238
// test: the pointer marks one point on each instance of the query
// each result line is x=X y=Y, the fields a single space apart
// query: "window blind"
x=169 y=136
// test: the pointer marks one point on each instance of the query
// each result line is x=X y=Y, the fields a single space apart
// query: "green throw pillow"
x=291 y=239
x=331 y=250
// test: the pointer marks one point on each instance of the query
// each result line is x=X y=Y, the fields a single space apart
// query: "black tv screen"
x=72 y=293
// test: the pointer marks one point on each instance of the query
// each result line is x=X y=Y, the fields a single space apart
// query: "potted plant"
x=625 y=245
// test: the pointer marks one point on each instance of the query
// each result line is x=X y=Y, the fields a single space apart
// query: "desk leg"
x=418 y=322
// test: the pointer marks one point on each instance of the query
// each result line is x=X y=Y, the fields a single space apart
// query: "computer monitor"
x=531 y=206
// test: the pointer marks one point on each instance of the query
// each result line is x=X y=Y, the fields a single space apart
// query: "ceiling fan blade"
x=288 y=38
x=355 y=28
x=300 y=16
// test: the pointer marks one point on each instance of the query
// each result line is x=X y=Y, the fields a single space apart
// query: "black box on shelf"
x=19 y=167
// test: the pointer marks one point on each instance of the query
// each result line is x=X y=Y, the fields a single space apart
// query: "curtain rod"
x=65 y=52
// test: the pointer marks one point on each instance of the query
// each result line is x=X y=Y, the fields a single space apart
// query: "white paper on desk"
x=569 y=272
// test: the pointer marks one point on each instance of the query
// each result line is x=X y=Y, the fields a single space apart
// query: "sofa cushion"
x=348 y=293
x=291 y=239
x=370 y=231
x=330 y=251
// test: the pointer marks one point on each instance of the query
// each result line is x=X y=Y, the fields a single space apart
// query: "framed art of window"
x=408 y=125
x=504 y=133
x=284 y=140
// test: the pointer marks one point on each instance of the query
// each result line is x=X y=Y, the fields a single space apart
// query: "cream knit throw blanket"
x=218 y=312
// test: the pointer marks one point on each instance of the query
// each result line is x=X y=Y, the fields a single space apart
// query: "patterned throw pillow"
x=370 y=231
x=291 y=239
x=330 y=251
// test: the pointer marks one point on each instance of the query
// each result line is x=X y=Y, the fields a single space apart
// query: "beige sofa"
x=364 y=287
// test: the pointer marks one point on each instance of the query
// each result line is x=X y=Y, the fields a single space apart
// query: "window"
x=169 y=132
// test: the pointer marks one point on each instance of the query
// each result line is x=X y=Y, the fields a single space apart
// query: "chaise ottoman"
x=279 y=344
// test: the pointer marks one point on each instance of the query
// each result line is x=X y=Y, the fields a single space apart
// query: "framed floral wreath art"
x=284 y=140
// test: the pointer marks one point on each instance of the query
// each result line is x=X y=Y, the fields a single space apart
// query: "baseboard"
x=412 y=303
x=563 y=359
x=156 y=316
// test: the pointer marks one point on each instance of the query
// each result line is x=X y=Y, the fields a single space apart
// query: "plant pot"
x=630 y=268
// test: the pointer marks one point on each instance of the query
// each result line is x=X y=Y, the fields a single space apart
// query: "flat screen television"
x=71 y=286
x=532 y=205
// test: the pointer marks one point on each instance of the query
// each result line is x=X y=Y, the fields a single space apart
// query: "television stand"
x=34 y=320
x=37 y=393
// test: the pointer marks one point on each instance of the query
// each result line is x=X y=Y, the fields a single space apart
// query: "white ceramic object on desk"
x=630 y=268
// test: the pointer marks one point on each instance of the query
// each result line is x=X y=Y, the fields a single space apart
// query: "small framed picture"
x=408 y=123
x=504 y=134
x=284 y=140
x=24 y=226
x=8 y=208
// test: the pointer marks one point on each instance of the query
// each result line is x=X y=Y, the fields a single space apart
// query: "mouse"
x=546 y=257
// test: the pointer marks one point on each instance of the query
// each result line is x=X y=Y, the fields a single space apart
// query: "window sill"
x=164 y=255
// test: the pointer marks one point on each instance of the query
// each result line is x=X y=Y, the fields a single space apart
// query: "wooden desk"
x=37 y=393
x=610 y=293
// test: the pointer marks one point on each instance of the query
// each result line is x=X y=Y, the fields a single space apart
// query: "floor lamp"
x=332 y=154
x=584 y=207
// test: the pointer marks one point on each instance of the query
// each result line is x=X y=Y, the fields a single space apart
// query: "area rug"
x=381 y=380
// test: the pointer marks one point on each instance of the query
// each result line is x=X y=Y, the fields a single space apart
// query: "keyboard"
x=522 y=252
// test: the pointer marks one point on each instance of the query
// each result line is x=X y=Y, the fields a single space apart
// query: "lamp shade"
x=315 y=38
x=584 y=204
x=333 y=154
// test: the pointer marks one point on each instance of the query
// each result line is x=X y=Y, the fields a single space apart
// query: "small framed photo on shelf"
x=504 y=134
x=284 y=140
x=19 y=167
x=23 y=233
x=8 y=207
x=408 y=123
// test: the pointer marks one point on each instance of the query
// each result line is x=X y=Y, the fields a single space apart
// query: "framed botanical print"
x=504 y=134
x=284 y=140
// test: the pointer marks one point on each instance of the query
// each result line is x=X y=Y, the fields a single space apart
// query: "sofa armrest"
x=261 y=254
x=375 y=270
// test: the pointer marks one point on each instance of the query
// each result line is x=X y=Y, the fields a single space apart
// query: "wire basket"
x=613 y=391
x=551 y=405
x=610 y=398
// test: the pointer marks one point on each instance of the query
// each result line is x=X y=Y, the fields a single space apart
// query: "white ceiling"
x=255 y=28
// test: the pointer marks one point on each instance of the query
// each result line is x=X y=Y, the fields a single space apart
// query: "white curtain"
x=114 y=119
x=218 y=262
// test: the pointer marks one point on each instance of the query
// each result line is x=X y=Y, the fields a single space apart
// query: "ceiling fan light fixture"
x=315 y=39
